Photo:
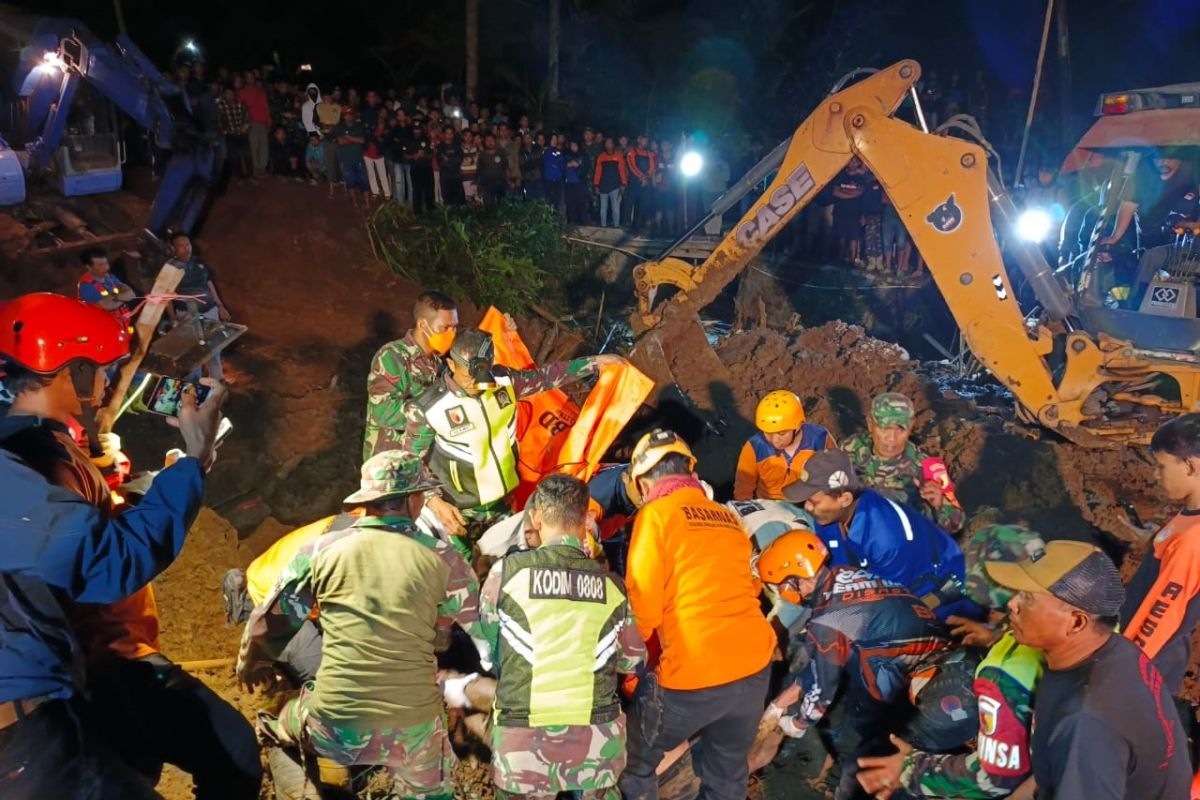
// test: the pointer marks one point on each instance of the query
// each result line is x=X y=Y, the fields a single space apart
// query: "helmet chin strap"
x=83 y=375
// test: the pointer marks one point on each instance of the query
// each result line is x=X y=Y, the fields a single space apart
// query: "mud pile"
x=1027 y=474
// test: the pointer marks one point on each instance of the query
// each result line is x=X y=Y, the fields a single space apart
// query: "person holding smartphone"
x=74 y=583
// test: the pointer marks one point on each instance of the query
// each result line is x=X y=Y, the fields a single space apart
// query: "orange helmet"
x=45 y=332
x=795 y=554
x=779 y=411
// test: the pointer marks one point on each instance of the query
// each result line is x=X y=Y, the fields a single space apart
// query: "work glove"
x=454 y=690
x=485 y=652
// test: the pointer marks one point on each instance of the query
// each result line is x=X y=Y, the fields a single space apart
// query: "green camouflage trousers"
x=537 y=762
x=419 y=756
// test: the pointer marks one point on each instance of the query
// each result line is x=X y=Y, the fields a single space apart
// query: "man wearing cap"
x=466 y=425
x=1004 y=687
x=1104 y=724
x=381 y=587
x=887 y=461
x=863 y=528
x=691 y=587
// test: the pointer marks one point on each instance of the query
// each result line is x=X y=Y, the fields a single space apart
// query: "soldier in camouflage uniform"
x=889 y=463
x=466 y=426
x=1005 y=683
x=403 y=369
x=562 y=631
x=381 y=587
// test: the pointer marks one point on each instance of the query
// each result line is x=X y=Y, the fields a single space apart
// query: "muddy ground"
x=294 y=265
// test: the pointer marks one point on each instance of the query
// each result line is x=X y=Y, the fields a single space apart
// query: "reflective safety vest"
x=561 y=615
x=122 y=314
x=475 y=446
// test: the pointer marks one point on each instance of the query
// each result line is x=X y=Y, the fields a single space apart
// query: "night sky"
x=758 y=65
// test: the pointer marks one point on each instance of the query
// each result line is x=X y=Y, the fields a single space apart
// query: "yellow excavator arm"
x=939 y=185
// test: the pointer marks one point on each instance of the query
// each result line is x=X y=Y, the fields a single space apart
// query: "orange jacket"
x=645 y=157
x=689 y=581
x=763 y=471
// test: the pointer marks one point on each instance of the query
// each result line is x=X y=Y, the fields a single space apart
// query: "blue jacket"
x=554 y=164
x=896 y=543
x=52 y=542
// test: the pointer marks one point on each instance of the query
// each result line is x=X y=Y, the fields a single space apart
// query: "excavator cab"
x=1145 y=292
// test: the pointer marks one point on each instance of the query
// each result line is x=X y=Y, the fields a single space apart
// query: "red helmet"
x=45 y=332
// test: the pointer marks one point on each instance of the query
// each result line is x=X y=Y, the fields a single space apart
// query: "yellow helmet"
x=779 y=411
x=653 y=447
x=795 y=554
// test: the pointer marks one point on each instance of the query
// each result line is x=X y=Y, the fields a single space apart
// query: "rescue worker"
x=381 y=586
x=561 y=630
x=886 y=460
x=864 y=529
x=1103 y=724
x=403 y=369
x=1005 y=685
x=100 y=287
x=690 y=585
x=153 y=710
x=898 y=663
x=775 y=456
x=764 y=521
x=65 y=541
x=1162 y=600
x=466 y=426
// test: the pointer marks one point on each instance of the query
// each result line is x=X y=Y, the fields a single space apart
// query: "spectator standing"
x=593 y=146
x=351 y=136
x=470 y=166
x=1103 y=721
x=255 y=98
x=978 y=100
x=408 y=103
x=554 y=165
x=233 y=120
x=848 y=190
x=493 y=171
x=196 y=282
x=666 y=201
x=374 y=151
x=511 y=147
x=420 y=158
x=871 y=206
x=610 y=182
x=400 y=138
x=329 y=115
x=641 y=163
x=896 y=248
x=531 y=165
x=370 y=111
x=930 y=89
x=449 y=159
x=575 y=184
x=953 y=99
x=308 y=111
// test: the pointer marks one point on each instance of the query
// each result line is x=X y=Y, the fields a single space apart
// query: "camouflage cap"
x=390 y=473
x=892 y=408
x=1008 y=543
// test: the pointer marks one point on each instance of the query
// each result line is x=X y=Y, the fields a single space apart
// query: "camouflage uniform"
x=400 y=372
x=900 y=479
x=415 y=747
x=1004 y=685
x=542 y=761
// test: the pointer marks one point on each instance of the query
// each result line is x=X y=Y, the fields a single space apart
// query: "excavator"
x=65 y=83
x=1088 y=385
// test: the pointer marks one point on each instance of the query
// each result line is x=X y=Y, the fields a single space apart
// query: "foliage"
x=512 y=255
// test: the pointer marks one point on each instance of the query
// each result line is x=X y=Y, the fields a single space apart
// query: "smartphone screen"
x=167 y=395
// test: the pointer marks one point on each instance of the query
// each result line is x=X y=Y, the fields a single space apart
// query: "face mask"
x=440 y=342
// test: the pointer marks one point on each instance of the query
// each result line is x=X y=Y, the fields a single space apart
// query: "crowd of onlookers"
x=418 y=150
